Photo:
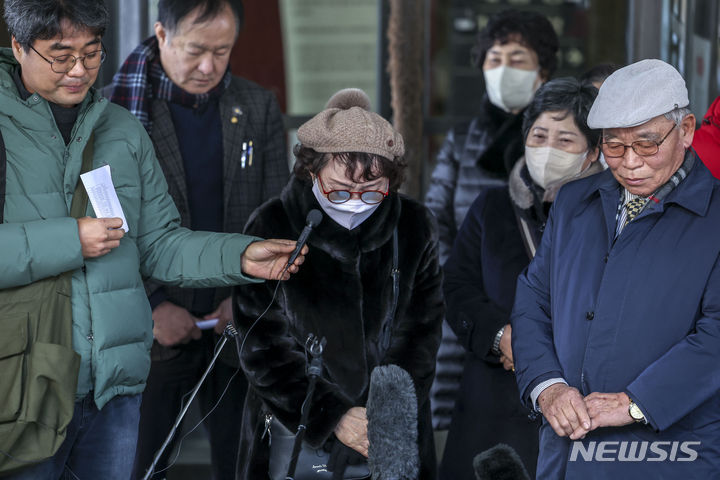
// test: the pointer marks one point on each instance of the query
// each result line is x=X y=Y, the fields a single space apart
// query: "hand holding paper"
x=101 y=192
x=99 y=235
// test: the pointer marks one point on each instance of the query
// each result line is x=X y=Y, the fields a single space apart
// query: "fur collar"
x=519 y=191
x=340 y=243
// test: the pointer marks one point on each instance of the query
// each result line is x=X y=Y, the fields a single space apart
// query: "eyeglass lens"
x=342 y=196
x=65 y=63
x=644 y=148
x=641 y=147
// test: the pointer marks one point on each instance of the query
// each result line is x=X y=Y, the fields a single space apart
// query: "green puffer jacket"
x=112 y=323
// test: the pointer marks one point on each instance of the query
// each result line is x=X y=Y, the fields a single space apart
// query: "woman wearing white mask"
x=496 y=241
x=517 y=52
x=348 y=166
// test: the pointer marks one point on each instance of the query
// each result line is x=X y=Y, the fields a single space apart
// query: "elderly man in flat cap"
x=616 y=323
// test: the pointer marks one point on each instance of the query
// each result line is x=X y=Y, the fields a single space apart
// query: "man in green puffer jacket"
x=48 y=110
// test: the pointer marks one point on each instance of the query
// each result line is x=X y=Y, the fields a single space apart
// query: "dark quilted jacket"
x=473 y=156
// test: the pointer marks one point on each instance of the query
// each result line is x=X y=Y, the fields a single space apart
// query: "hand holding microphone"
x=313 y=219
x=276 y=259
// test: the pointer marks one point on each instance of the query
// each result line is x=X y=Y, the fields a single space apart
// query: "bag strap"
x=390 y=319
x=525 y=233
x=80 y=197
x=3 y=176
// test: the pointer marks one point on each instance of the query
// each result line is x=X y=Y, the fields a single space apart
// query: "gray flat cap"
x=638 y=93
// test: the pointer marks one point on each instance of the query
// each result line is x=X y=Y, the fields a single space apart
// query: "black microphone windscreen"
x=392 y=425
x=500 y=462
x=314 y=217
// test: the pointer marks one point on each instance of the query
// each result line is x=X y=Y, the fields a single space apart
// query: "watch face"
x=635 y=412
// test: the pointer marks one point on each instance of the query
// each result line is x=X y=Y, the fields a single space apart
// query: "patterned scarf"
x=626 y=197
x=142 y=78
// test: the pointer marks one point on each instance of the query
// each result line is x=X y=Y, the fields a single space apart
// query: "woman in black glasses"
x=349 y=167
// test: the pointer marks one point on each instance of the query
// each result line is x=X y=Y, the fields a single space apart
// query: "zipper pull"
x=266 y=431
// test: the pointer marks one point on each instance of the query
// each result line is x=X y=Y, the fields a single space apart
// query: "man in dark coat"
x=616 y=322
x=221 y=144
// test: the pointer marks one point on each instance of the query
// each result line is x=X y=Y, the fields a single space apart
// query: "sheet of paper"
x=101 y=192
x=206 y=324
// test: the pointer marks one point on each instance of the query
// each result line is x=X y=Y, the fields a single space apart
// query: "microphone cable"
x=202 y=420
x=239 y=348
x=230 y=331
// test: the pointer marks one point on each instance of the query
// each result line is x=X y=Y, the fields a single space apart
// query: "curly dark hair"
x=359 y=166
x=528 y=28
x=565 y=94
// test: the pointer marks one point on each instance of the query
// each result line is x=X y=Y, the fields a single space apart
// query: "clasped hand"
x=571 y=415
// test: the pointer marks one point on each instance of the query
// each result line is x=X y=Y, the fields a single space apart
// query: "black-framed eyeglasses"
x=370 y=197
x=65 y=63
x=644 y=148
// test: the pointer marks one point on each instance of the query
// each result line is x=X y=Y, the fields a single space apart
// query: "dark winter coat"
x=342 y=292
x=479 y=285
x=638 y=314
x=472 y=157
x=480 y=278
x=244 y=189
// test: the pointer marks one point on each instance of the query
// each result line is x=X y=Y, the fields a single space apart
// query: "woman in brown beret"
x=349 y=166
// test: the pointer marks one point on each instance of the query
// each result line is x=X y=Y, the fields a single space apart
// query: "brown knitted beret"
x=348 y=125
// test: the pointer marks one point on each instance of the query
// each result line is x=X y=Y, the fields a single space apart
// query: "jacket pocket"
x=51 y=384
x=13 y=344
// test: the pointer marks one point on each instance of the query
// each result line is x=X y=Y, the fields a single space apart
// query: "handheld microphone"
x=313 y=219
x=392 y=425
x=500 y=462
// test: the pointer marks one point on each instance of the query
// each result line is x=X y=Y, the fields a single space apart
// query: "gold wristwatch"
x=635 y=413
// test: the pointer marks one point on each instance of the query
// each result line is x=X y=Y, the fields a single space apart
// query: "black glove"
x=340 y=456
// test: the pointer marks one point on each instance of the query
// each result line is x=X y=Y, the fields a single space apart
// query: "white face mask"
x=510 y=88
x=549 y=166
x=349 y=214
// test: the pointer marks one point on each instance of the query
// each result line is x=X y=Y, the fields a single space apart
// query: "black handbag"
x=312 y=462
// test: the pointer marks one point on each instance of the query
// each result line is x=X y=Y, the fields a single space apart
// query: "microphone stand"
x=314 y=370
x=229 y=332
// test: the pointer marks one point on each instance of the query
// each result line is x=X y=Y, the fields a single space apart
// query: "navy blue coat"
x=640 y=315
